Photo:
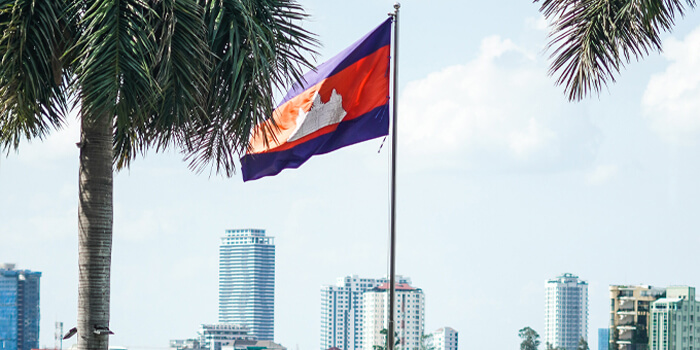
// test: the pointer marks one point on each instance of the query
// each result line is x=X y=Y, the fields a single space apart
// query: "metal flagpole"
x=392 y=225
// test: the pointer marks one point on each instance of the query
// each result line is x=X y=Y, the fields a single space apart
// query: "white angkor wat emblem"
x=320 y=115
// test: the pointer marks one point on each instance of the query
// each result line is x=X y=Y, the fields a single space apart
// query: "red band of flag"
x=343 y=102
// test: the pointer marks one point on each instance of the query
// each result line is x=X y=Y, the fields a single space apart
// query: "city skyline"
x=502 y=184
x=342 y=310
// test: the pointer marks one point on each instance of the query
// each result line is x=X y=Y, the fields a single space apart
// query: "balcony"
x=625 y=319
x=626 y=303
x=625 y=334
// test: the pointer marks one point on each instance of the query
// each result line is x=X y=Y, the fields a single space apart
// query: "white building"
x=444 y=339
x=217 y=336
x=342 y=311
x=675 y=323
x=247 y=281
x=409 y=316
x=566 y=311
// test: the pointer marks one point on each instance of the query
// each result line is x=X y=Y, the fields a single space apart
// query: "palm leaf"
x=179 y=67
x=32 y=77
x=114 y=57
x=592 y=40
x=257 y=47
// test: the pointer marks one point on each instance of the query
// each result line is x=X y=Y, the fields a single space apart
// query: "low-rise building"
x=445 y=338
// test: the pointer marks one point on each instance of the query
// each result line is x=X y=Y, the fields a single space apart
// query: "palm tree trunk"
x=95 y=232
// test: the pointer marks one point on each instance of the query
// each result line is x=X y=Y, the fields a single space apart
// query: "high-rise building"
x=409 y=316
x=19 y=308
x=247 y=281
x=629 y=315
x=675 y=320
x=603 y=338
x=566 y=311
x=342 y=310
x=444 y=339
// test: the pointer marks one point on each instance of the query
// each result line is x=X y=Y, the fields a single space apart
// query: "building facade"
x=254 y=345
x=342 y=311
x=629 y=315
x=247 y=281
x=674 y=320
x=19 y=308
x=444 y=338
x=409 y=316
x=566 y=311
x=220 y=335
x=603 y=338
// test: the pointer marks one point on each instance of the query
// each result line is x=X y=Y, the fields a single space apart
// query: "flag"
x=343 y=102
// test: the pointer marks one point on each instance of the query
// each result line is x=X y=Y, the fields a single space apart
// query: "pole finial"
x=397 y=5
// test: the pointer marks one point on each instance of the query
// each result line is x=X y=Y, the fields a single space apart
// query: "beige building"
x=409 y=316
x=629 y=315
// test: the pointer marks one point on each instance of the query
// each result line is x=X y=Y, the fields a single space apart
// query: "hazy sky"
x=502 y=185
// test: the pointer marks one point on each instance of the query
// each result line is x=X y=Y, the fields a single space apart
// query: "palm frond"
x=179 y=67
x=258 y=46
x=32 y=74
x=181 y=71
x=113 y=58
x=592 y=40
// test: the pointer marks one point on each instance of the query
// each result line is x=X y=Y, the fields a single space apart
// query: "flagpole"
x=392 y=225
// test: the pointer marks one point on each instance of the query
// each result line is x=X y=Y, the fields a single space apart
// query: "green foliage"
x=550 y=347
x=197 y=75
x=385 y=346
x=530 y=339
x=582 y=344
x=426 y=341
x=593 y=39
x=32 y=75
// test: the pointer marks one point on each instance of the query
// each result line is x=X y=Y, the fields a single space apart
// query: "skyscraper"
x=566 y=311
x=342 y=310
x=247 y=281
x=409 y=316
x=19 y=308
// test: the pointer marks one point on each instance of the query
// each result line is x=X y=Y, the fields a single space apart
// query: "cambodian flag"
x=343 y=102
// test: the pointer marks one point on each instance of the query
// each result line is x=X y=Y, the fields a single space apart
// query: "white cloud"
x=502 y=103
x=672 y=99
x=601 y=174
x=528 y=140
x=538 y=23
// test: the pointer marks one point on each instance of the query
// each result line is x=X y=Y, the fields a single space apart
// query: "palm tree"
x=197 y=75
x=594 y=39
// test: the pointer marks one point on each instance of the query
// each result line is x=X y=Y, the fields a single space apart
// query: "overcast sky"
x=502 y=185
